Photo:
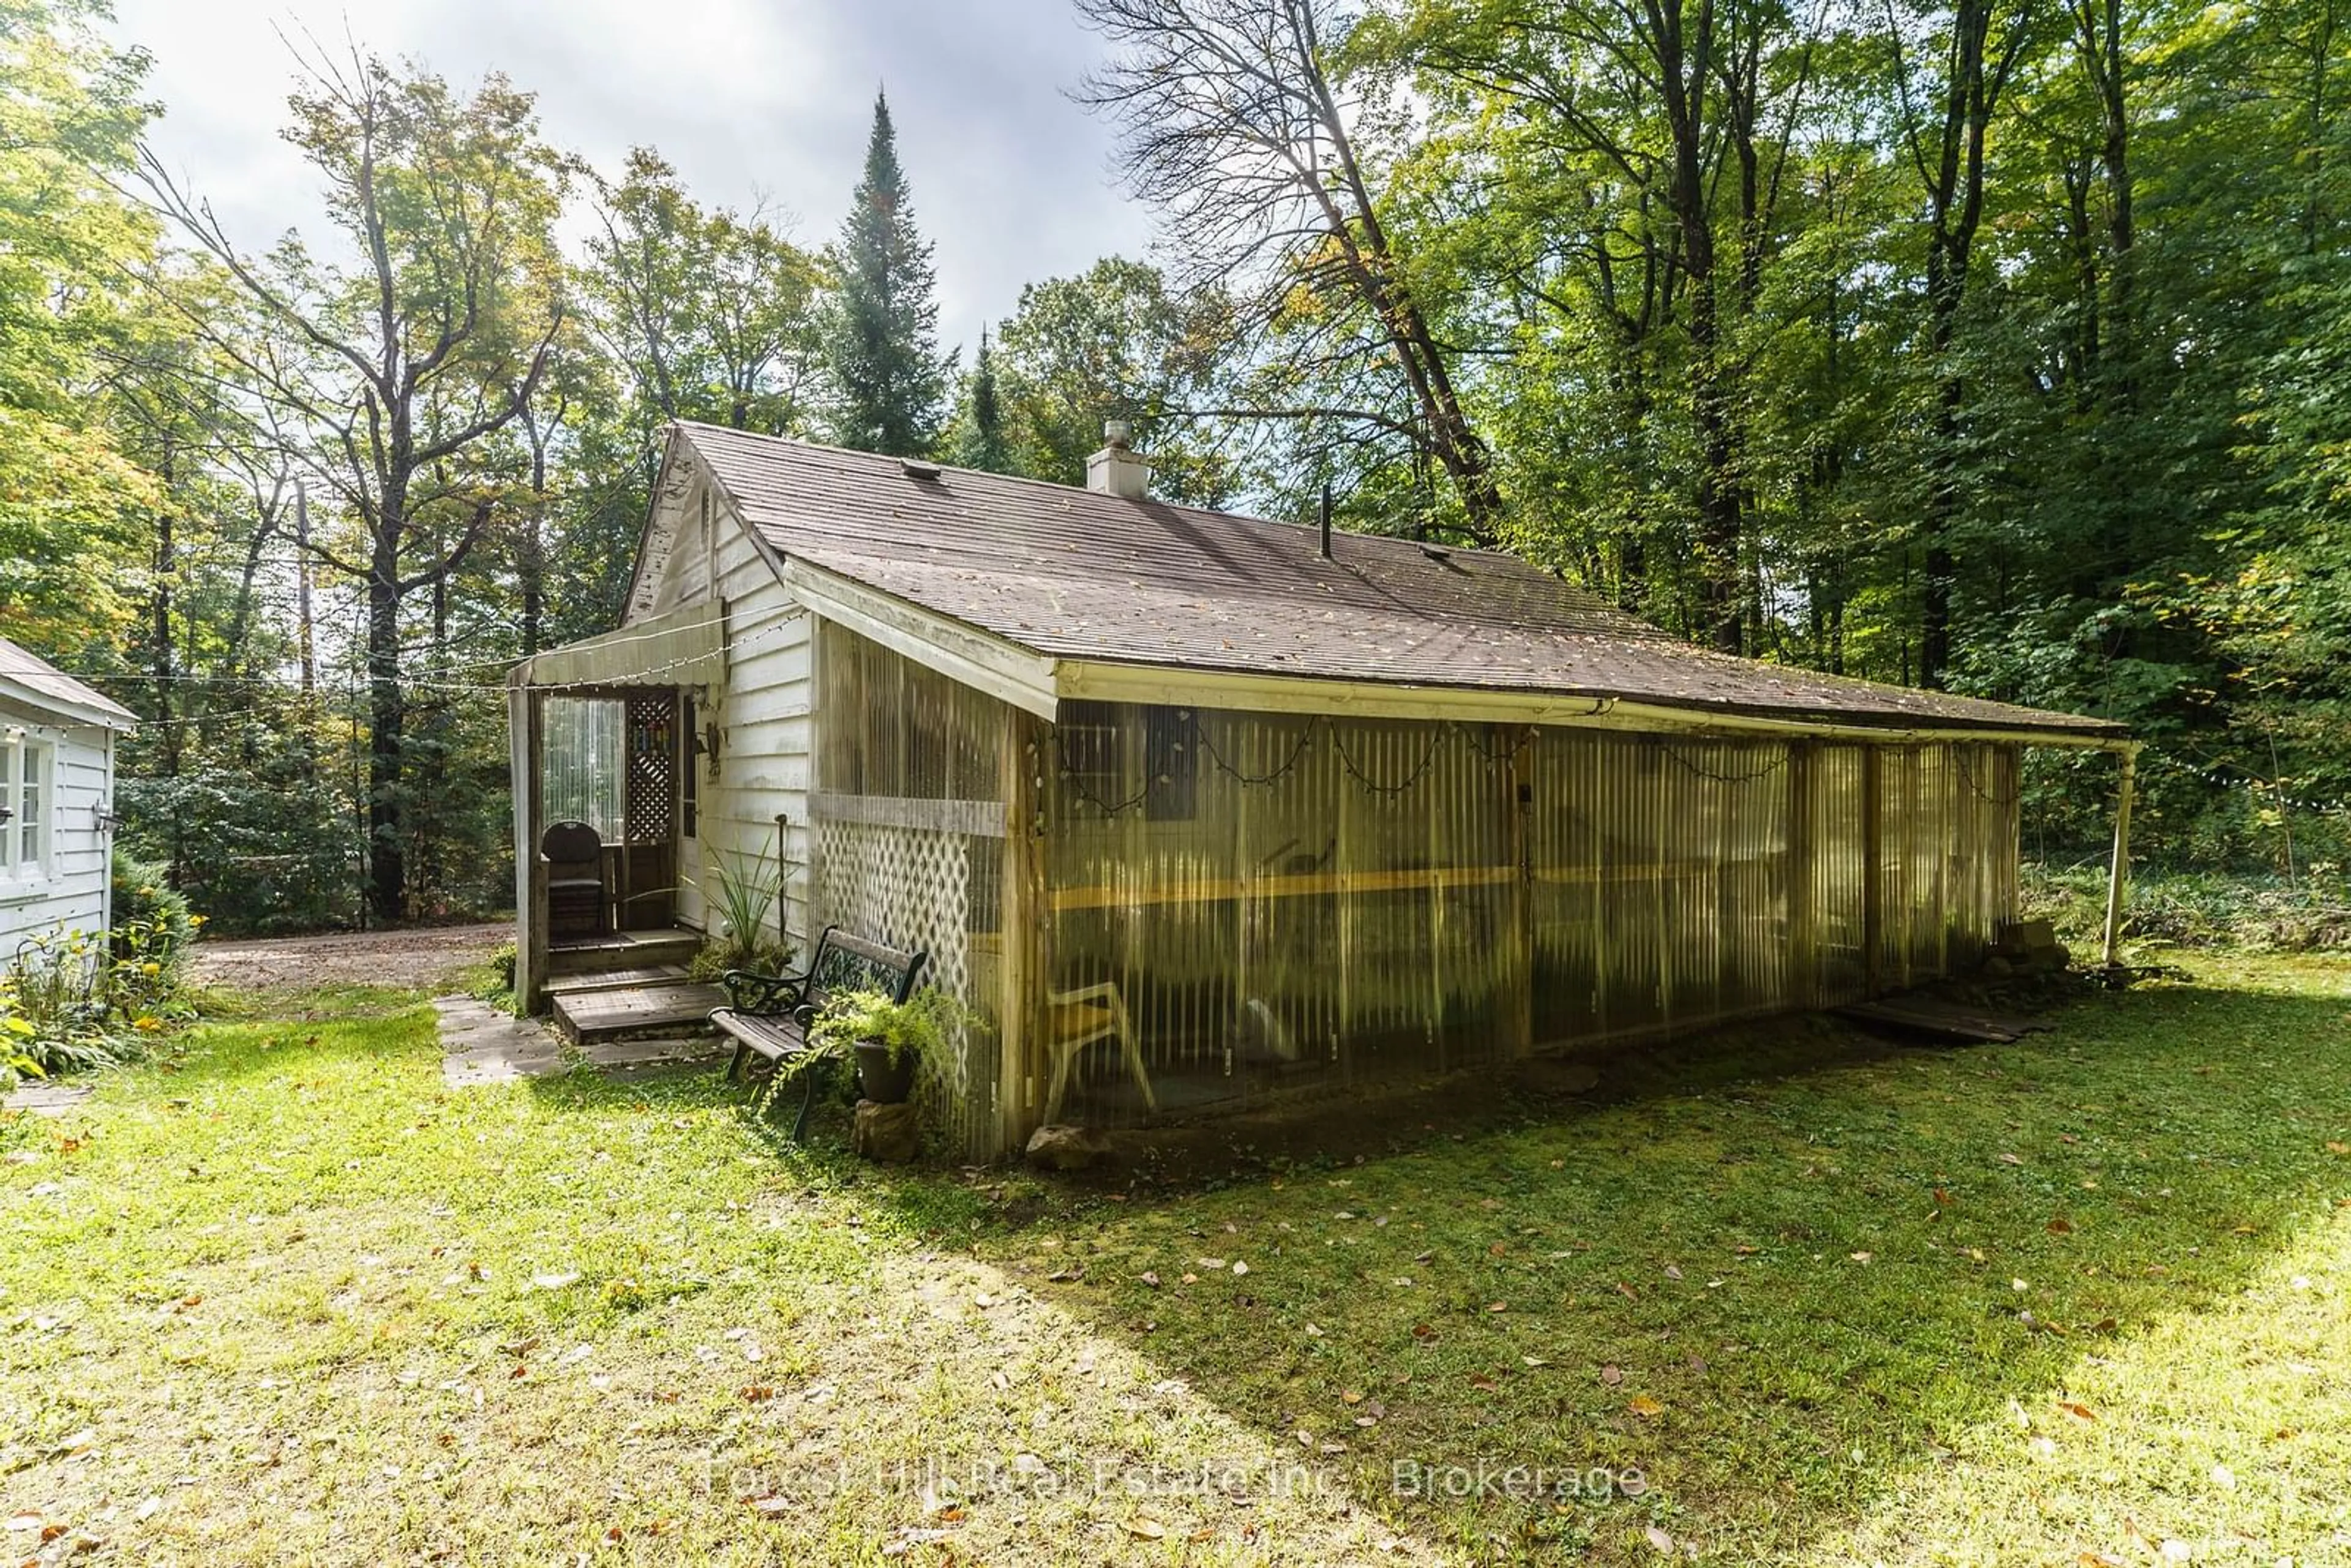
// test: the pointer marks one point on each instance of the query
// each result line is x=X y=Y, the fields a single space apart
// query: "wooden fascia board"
x=673 y=446
x=1099 y=680
x=1002 y=669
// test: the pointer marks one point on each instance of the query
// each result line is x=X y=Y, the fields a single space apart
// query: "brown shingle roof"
x=48 y=686
x=1073 y=573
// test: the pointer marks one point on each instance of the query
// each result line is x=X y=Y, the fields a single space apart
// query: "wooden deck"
x=679 y=1007
x=615 y=950
x=628 y=984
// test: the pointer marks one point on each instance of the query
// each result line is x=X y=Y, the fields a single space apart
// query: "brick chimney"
x=1116 y=469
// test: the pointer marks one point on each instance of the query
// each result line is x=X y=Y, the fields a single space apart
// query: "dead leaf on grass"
x=1642 y=1405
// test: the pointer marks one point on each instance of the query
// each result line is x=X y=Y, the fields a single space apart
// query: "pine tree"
x=889 y=376
x=979 y=442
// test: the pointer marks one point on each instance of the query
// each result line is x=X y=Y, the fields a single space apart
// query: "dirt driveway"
x=430 y=958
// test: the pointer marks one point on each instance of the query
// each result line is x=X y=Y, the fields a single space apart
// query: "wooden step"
x=616 y=979
x=677 y=1009
x=620 y=950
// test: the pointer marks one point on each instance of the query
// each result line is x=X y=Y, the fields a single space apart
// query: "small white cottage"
x=1194 y=810
x=56 y=799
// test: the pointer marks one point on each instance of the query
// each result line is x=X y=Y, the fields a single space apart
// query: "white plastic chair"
x=1074 y=1021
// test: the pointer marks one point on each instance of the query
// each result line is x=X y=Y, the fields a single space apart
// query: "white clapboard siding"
x=73 y=890
x=763 y=709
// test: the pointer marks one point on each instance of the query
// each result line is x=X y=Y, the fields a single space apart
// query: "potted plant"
x=887 y=1039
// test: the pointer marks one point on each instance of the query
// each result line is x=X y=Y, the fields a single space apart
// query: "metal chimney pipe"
x=1326 y=520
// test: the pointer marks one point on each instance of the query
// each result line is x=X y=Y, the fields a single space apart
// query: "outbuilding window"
x=26 y=766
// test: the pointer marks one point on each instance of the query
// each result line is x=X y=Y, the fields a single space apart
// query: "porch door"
x=690 y=870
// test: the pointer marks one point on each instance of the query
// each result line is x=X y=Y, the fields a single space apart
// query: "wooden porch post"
x=1872 y=867
x=525 y=722
x=1022 y=890
x=1517 y=803
x=1803 y=943
x=2118 y=869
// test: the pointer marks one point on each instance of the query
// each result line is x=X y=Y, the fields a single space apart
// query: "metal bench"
x=770 y=1015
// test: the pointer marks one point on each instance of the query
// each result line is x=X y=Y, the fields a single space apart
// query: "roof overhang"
x=684 y=647
x=981 y=660
x=58 y=706
x=1097 y=681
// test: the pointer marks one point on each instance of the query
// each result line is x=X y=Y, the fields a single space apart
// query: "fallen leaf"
x=2060 y=1226
x=2011 y=1159
x=1660 y=1540
x=2079 y=1412
x=1642 y=1405
x=1612 y=1375
x=1148 y=1528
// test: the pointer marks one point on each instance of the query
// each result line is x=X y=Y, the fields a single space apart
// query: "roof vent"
x=1116 y=470
x=916 y=468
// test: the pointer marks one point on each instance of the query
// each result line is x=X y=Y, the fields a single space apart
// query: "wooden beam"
x=2118 y=869
x=526 y=717
x=1023 y=889
x=1247 y=691
x=1517 y=806
x=979 y=818
x=1872 y=870
x=1803 y=938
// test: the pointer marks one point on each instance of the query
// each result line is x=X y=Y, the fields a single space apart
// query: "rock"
x=885 y=1132
x=2019 y=939
x=1061 y=1147
x=2050 y=957
x=1998 y=968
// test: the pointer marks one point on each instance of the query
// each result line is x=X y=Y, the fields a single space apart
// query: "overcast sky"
x=748 y=98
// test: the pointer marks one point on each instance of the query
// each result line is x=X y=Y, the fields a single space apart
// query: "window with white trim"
x=27 y=768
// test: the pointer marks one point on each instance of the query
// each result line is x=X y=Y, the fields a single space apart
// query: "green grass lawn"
x=1796 y=1298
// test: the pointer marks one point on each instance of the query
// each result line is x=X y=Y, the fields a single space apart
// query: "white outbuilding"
x=56 y=799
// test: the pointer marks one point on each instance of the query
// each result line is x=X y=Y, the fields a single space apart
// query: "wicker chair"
x=577 y=899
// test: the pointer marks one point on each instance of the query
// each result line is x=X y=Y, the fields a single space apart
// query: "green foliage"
x=142 y=896
x=712 y=313
x=73 y=1002
x=741 y=900
x=2197 y=909
x=979 y=440
x=890 y=381
x=1117 y=342
x=919 y=1026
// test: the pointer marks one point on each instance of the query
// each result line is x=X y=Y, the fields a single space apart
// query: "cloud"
x=750 y=100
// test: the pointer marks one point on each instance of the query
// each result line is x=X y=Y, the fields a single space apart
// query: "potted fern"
x=887 y=1039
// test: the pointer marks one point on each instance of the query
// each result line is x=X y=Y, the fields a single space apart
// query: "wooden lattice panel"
x=652 y=741
x=905 y=886
x=911 y=887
